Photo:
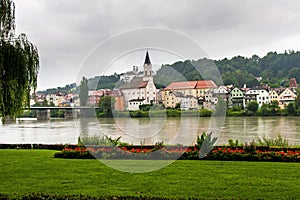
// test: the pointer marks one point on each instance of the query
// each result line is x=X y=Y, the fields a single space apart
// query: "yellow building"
x=273 y=96
x=196 y=89
x=172 y=99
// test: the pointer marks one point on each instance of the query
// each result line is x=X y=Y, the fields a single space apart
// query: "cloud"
x=65 y=31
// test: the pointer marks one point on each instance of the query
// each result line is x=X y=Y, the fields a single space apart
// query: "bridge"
x=43 y=113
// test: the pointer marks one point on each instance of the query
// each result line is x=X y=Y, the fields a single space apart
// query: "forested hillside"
x=275 y=70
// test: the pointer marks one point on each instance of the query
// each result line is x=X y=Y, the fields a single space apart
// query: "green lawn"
x=27 y=171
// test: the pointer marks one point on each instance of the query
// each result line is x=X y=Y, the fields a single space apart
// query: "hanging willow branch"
x=19 y=65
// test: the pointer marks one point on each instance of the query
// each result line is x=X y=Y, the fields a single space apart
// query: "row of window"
x=133 y=93
x=135 y=103
x=237 y=95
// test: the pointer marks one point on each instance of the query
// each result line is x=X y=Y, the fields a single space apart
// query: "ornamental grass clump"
x=279 y=141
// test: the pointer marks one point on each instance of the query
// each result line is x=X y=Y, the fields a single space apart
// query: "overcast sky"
x=67 y=31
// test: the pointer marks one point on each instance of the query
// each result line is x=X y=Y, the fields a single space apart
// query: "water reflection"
x=137 y=131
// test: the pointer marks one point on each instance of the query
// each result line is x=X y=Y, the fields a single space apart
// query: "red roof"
x=182 y=85
x=206 y=84
x=293 y=82
x=203 y=84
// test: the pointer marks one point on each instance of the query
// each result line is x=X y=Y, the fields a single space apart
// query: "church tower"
x=147 y=66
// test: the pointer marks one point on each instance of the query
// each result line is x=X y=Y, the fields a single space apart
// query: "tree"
x=290 y=109
x=106 y=105
x=252 y=106
x=221 y=108
x=264 y=109
x=274 y=107
x=84 y=90
x=19 y=65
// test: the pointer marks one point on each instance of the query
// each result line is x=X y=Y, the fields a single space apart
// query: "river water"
x=149 y=131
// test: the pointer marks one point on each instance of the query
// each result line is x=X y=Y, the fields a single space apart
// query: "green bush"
x=205 y=113
x=173 y=113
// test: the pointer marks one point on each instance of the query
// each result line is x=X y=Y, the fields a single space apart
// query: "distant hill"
x=66 y=89
x=275 y=70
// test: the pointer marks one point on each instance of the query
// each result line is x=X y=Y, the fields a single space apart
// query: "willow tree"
x=84 y=90
x=19 y=65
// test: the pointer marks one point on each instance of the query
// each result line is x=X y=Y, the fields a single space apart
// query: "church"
x=140 y=90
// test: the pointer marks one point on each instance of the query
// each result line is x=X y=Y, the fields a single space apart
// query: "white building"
x=140 y=90
x=189 y=103
x=286 y=97
x=128 y=76
x=262 y=95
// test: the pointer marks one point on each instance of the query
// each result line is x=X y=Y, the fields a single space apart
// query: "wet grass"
x=28 y=171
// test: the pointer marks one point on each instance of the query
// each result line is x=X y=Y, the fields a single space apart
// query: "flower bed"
x=285 y=155
x=182 y=153
x=142 y=153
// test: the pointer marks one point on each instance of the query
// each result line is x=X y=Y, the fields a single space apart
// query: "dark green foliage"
x=271 y=109
x=252 y=106
x=108 y=82
x=274 y=68
x=290 y=109
x=232 y=143
x=106 y=106
x=221 y=108
x=139 y=113
x=84 y=90
x=19 y=65
x=66 y=89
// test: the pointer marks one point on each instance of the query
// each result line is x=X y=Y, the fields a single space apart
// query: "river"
x=145 y=131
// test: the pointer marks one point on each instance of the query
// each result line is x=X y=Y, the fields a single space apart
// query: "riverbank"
x=192 y=113
x=28 y=171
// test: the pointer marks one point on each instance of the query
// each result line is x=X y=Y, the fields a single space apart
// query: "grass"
x=27 y=171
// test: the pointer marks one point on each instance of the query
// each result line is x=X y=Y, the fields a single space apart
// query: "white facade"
x=140 y=90
x=262 y=95
x=286 y=97
x=128 y=76
x=134 y=104
x=189 y=103
x=221 y=90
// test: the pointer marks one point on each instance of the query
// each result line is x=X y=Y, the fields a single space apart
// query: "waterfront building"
x=189 y=88
x=258 y=94
x=236 y=97
x=222 y=92
x=274 y=96
x=140 y=90
x=173 y=98
x=286 y=97
x=189 y=103
x=119 y=103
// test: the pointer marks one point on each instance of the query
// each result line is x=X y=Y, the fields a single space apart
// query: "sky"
x=115 y=34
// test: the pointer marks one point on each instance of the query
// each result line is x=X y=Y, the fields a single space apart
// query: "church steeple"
x=147 y=67
x=147 y=59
